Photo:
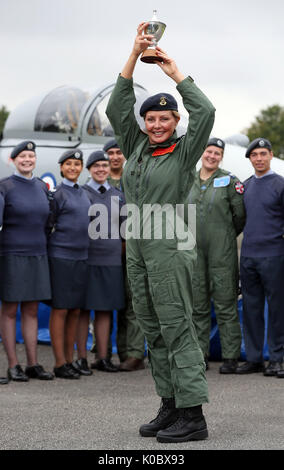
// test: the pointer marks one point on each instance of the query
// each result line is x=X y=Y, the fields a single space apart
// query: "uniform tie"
x=102 y=189
x=76 y=186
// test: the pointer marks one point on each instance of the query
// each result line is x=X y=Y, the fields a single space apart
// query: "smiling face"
x=25 y=163
x=260 y=159
x=211 y=158
x=71 y=169
x=116 y=158
x=160 y=125
x=100 y=171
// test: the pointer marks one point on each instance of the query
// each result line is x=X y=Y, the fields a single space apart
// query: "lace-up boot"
x=167 y=414
x=190 y=426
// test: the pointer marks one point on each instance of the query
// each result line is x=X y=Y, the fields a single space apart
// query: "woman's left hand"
x=169 y=66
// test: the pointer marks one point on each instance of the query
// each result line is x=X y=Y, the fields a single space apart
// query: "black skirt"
x=24 y=278
x=105 y=289
x=68 y=283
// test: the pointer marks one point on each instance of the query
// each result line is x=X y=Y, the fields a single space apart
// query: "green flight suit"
x=220 y=218
x=159 y=270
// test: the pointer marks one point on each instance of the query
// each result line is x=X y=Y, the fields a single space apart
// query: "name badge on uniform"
x=221 y=182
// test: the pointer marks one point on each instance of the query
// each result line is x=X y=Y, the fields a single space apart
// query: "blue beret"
x=216 y=142
x=260 y=142
x=72 y=153
x=25 y=145
x=96 y=157
x=111 y=144
x=159 y=102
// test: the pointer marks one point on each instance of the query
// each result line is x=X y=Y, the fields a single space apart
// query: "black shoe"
x=38 y=372
x=81 y=367
x=272 y=369
x=280 y=374
x=190 y=426
x=106 y=365
x=167 y=415
x=229 y=366
x=66 y=372
x=16 y=373
x=250 y=368
x=3 y=380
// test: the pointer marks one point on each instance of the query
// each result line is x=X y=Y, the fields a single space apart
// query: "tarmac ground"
x=104 y=411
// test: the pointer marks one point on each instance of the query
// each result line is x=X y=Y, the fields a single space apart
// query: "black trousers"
x=263 y=278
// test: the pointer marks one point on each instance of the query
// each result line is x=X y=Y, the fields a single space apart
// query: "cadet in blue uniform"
x=262 y=262
x=24 y=273
x=105 y=287
x=220 y=218
x=68 y=252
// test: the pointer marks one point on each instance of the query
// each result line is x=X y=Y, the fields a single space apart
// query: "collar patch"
x=163 y=151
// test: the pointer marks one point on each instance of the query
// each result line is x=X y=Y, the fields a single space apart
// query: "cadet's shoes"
x=38 y=372
x=250 y=367
x=131 y=364
x=17 y=374
x=272 y=369
x=3 y=380
x=280 y=374
x=66 y=372
x=167 y=415
x=81 y=366
x=190 y=426
x=229 y=366
x=106 y=365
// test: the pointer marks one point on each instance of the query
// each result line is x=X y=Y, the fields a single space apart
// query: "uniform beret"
x=25 y=145
x=260 y=142
x=216 y=142
x=72 y=153
x=111 y=144
x=96 y=157
x=159 y=102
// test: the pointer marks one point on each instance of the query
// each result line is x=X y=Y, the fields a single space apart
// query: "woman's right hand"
x=142 y=40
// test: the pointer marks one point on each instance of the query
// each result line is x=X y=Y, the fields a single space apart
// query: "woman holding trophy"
x=160 y=171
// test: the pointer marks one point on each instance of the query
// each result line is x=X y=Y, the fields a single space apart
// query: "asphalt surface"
x=104 y=411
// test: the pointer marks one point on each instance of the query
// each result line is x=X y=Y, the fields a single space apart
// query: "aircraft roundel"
x=49 y=180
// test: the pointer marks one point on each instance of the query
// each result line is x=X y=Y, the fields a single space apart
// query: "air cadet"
x=68 y=253
x=262 y=262
x=24 y=272
x=220 y=217
x=130 y=339
x=159 y=171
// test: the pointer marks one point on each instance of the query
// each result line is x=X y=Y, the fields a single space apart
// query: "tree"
x=4 y=113
x=270 y=125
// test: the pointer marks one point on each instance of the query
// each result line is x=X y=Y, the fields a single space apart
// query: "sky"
x=233 y=49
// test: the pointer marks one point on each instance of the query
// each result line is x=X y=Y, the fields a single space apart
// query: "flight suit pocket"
x=188 y=358
x=164 y=290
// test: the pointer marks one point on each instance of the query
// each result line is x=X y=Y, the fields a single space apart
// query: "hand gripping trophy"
x=156 y=28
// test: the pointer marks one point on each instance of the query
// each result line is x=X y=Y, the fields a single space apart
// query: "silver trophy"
x=156 y=28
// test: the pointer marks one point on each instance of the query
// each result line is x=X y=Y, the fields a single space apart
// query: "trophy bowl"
x=156 y=28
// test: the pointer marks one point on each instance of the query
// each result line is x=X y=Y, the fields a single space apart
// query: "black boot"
x=229 y=366
x=190 y=426
x=167 y=414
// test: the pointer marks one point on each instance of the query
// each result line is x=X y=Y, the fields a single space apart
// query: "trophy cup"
x=156 y=28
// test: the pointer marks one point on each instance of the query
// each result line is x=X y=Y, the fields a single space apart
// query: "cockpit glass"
x=60 y=110
x=98 y=123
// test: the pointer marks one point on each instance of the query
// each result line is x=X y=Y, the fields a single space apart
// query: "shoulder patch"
x=239 y=187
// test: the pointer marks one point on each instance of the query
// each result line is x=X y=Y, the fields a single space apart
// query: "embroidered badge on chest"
x=221 y=182
x=163 y=151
